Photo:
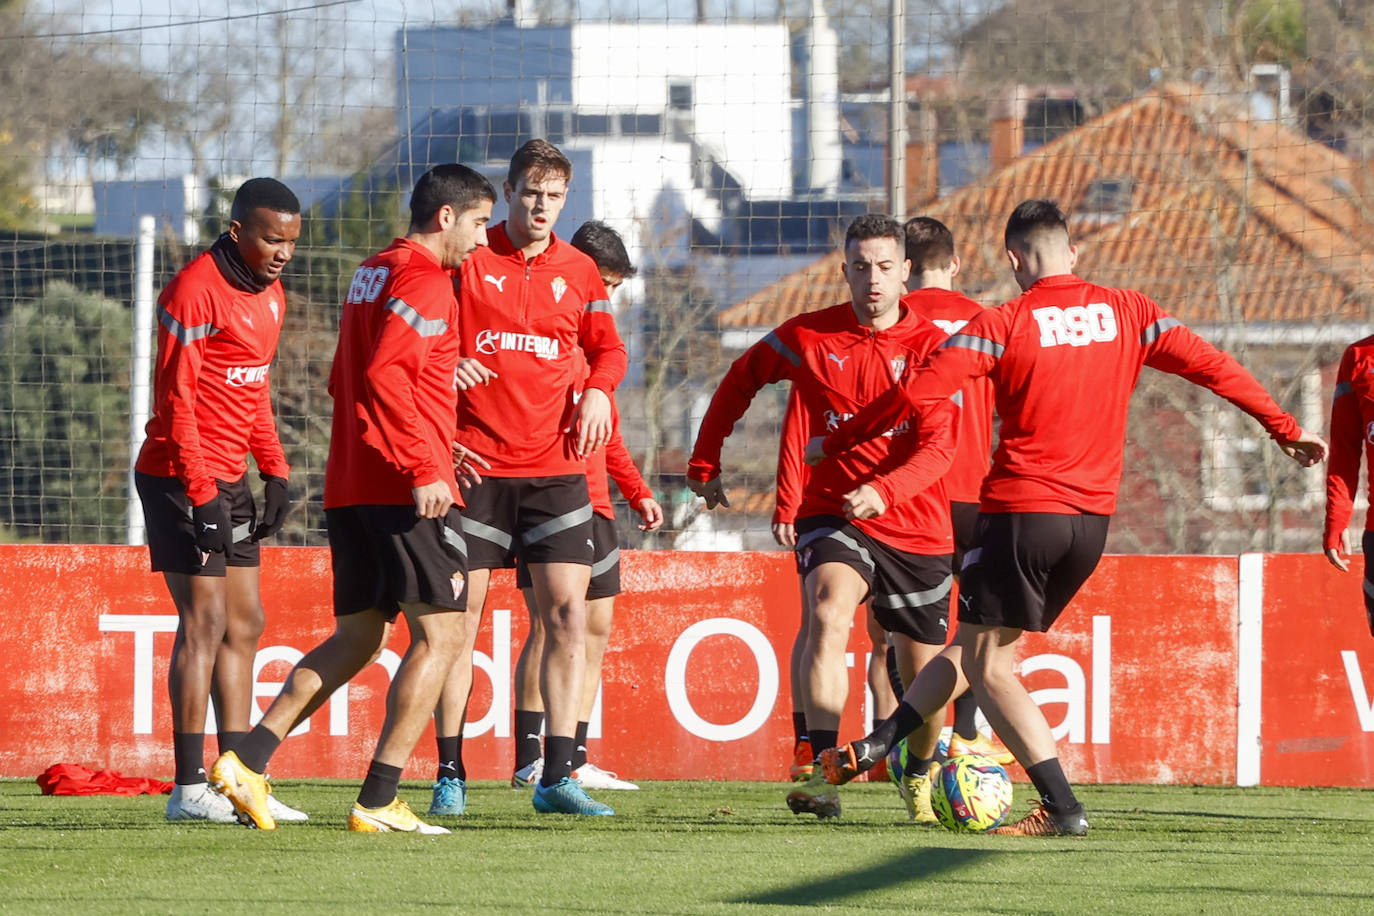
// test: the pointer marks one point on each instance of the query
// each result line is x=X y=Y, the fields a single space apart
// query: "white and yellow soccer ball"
x=971 y=793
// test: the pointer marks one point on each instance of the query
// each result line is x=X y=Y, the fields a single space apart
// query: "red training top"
x=525 y=319
x=950 y=311
x=837 y=366
x=614 y=460
x=212 y=402
x=1352 y=433
x=1064 y=358
x=393 y=381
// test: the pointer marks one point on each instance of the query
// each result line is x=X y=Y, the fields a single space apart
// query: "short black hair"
x=262 y=194
x=929 y=243
x=1033 y=218
x=455 y=185
x=603 y=245
x=875 y=226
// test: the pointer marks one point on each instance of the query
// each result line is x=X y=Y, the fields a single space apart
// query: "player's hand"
x=1307 y=449
x=471 y=373
x=433 y=500
x=785 y=533
x=1336 y=555
x=710 y=490
x=863 y=503
x=651 y=514
x=815 y=451
x=466 y=464
x=592 y=422
x=214 y=533
x=276 y=506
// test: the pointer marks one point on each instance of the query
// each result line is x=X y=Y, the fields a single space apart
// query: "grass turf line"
x=689 y=847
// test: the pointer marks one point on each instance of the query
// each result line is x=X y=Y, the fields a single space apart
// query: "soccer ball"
x=971 y=793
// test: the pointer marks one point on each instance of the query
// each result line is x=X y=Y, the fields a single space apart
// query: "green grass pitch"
x=696 y=847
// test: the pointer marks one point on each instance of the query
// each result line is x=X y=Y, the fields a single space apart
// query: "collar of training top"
x=233 y=267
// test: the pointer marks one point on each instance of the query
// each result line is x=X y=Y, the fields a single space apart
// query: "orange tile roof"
x=1229 y=218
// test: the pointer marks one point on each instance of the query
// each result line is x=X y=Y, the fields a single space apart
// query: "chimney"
x=1008 y=117
x=922 y=161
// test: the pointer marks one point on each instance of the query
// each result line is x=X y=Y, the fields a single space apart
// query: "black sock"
x=258 y=748
x=558 y=754
x=580 y=745
x=965 y=715
x=450 y=759
x=188 y=750
x=823 y=738
x=230 y=741
x=527 y=727
x=1053 y=786
x=889 y=731
x=894 y=675
x=799 y=728
x=379 y=788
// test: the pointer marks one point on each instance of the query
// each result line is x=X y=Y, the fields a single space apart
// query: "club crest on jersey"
x=458 y=582
x=559 y=286
x=898 y=367
x=276 y=318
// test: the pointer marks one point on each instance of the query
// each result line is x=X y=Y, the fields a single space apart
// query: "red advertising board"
x=1317 y=676
x=1139 y=678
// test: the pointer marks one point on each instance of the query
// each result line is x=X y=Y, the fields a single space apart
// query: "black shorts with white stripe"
x=172 y=536
x=538 y=519
x=605 y=581
x=910 y=591
x=386 y=556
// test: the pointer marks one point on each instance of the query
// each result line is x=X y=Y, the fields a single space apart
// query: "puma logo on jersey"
x=949 y=327
x=1077 y=325
x=247 y=319
x=839 y=360
x=494 y=281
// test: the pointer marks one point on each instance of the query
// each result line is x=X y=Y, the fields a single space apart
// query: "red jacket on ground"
x=393 y=381
x=837 y=366
x=950 y=311
x=212 y=403
x=525 y=319
x=1064 y=358
x=1352 y=435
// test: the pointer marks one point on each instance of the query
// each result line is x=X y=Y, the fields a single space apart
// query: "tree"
x=64 y=417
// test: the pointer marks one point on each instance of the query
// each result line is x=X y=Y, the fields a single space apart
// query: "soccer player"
x=391 y=501
x=528 y=303
x=219 y=321
x=877 y=521
x=1352 y=417
x=603 y=245
x=1063 y=358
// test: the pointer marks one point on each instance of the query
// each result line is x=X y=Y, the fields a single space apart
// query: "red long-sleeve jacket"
x=393 y=381
x=525 y=319
x=1064 y=358
x=837 y=366
x=792 y=467
x=614 y=460
x=1352 y=436
x=950 y=311
x=212 y=400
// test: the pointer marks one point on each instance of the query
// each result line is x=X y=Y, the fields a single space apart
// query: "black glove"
x=211 y=521
x=276 y=508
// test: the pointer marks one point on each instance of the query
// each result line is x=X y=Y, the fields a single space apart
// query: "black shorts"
x=1367 y=544
x=964 y=517
x=172 y=536
x=386 y=556
x=605 y=566
x=910 y=591
x=538 y=519
x=1025 y=567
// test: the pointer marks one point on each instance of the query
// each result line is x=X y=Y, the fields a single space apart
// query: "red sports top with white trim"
x=837 y=366
x=1064 y=358
x=393 y=381
x=525 y=318
x=212 y=401
x=1352 y=435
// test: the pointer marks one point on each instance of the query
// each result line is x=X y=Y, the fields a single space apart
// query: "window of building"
x=594 y=124
x=641 y=125
x=680 y=96
x=1108 y=197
